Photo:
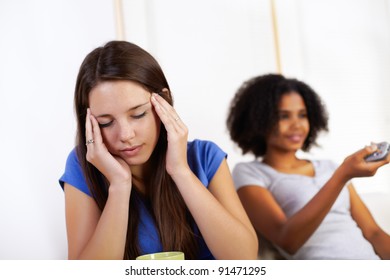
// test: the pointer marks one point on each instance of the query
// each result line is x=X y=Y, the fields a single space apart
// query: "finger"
x=162 y=104
x=377 y=164
x=88 y=126
x=97 y=136
x=367 y=150
x=166 y=112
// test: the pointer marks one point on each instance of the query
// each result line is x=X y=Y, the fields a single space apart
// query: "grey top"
x=338 y=236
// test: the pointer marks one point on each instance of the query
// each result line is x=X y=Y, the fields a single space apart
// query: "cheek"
x=280 y=129
x=108 y=138
x=273 y=135
x=307 y=125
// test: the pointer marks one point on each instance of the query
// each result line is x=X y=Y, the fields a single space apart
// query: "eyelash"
x=137 y=117
x=103 y=125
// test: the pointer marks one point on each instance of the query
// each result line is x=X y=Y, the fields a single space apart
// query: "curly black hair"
x=253 y=112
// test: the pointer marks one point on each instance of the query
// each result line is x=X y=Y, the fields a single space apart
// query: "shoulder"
x=246 y=166
x=325 y=164
x=252 y=173
x=73 y=174
x=204 y=158
x=252 y=167
x=72 y=157
x=204 y=151
x=203 y=147
x=72 y=163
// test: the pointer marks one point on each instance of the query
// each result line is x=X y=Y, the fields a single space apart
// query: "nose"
x=126 y=131
x=296 y=122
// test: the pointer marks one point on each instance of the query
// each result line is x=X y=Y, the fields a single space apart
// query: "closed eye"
x=103 y=125
x=139 y=116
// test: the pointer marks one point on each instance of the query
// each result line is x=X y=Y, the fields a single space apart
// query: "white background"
x=207 y=48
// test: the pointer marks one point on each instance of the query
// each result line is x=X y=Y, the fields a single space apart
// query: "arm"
x=217 y=212
x=93 y=234
x=291 y=233
x=219 y=215
x=379 y=239
x=269 y=219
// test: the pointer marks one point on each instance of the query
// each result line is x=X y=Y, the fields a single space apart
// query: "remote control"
x=381 y=153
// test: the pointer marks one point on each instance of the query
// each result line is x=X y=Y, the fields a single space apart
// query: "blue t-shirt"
x=204 y=159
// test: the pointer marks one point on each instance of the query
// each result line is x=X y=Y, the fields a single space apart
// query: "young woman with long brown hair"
x=134 y=184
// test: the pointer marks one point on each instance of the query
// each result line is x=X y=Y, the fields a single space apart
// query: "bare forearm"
x=226 y=236
x=109 y=239
x=380 y=240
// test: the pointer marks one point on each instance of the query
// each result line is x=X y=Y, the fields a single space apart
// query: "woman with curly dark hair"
x=308 y=209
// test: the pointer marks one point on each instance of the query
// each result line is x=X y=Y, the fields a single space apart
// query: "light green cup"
x=162 y=256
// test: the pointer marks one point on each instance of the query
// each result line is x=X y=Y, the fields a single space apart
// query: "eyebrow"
x=285 y=110
x=130 y=109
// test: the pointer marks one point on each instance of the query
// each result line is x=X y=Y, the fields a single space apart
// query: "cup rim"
x=155 y=256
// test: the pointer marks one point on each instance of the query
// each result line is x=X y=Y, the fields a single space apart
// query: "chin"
x=298 y=147
x=295 y=147
x=134 y=161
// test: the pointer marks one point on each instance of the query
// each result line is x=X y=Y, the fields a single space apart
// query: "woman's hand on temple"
x=177 y=134
x=115 y=169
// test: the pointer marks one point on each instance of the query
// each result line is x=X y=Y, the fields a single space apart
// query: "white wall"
x=42 y=44
x=206 y=48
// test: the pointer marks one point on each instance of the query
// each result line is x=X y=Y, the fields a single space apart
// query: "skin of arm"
x=93 y=234
x=379 y=239
x=291 y=233
x=219 y=215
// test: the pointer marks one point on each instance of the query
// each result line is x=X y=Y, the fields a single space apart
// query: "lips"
x=131 y=151
x=295 y=138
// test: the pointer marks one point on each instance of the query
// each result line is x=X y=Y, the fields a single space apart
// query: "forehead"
x=291 y=100
x=114 y=95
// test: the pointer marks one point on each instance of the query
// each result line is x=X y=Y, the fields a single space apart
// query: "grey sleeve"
x=245 y=174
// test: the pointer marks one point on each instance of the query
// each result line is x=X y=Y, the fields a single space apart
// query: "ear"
x=164 y=93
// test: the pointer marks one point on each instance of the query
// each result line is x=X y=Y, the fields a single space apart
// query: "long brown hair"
x=120 y=60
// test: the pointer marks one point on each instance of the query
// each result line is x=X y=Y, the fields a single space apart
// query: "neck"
x=138 y=178
x=282 y=161
x=289 y=163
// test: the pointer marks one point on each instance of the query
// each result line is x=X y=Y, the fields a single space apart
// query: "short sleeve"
x=73 y=174
x=245 y=174
x=204 y=159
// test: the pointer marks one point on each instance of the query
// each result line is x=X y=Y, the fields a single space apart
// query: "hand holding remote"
x=380 y=153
